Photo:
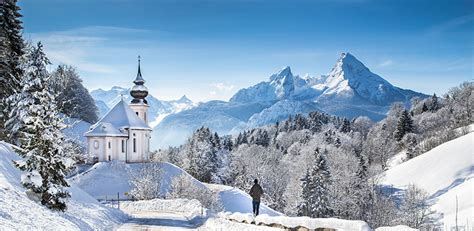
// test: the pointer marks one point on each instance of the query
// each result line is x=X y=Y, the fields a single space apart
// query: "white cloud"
x=451 y=24
x=223 y=86
x=79 y=46
x=386 y=63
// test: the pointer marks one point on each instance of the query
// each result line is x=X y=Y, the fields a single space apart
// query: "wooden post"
x=456 y=212
x=118 y=200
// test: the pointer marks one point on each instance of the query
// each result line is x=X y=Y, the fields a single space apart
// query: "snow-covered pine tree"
x=404 y=125
x=315 y=201
x=11 y=52
x=72 y=98
x=434 y=103
x=362 y=190
x=36 y=121
x=424 y=108
x=304 y=208
x=201 y=155
x=346 y=126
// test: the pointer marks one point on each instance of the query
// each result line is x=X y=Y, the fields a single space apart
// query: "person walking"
x=256 y=193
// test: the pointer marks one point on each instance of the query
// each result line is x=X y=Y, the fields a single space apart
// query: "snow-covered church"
x=123 y=133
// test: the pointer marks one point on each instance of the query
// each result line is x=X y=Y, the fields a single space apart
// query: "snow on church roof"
x=121 y=116
x=104 y=129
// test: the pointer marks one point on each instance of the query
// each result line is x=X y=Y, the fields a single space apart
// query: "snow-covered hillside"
x=445 y=172
x=350 y=90
x=18 y=212
x=109 y=178
x=106 y=99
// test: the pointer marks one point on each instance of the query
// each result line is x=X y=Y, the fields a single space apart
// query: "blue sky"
x=211 y=48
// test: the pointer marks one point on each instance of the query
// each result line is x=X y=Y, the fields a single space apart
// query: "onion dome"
x=139 y=91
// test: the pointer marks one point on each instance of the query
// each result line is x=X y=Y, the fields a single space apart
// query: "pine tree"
x=36 y=121
x=315 y=189
x=404 y=125
x=434 y=103
x=202 y=155
x=11 y=52
x=424 y=108
x=72 y=98
x=346 y=126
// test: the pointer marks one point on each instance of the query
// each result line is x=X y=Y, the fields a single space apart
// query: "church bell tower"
x=139 y=104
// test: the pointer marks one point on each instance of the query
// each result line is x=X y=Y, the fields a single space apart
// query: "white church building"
x=123 y=133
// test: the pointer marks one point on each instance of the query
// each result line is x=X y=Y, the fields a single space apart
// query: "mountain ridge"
x=349 y=90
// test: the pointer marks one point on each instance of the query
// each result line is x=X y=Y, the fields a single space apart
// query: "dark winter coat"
x=256 y=192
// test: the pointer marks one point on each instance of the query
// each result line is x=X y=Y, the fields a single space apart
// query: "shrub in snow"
x=415 y=210
x=146 y=182
x=183 y=186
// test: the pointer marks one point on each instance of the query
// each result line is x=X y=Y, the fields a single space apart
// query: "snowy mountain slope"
x=18 y=212
x=351 y=80
x=220 y=116
x=349 y=90
x=76 y=129
x=110 y=178
x=444 y=172
x=106 y=99
x=280 y=111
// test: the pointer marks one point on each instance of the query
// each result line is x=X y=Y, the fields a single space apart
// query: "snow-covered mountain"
x=350 y=89
x=159 y=109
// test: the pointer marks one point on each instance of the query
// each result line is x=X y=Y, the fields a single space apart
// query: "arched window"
x=96 y=144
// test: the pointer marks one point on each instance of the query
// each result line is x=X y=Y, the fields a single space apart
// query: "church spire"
x=139 y=91
x=139 y=80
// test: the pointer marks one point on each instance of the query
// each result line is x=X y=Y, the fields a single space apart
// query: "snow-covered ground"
x=18 y=212
x=106 y=179
x=445 y=172
x=177 y=214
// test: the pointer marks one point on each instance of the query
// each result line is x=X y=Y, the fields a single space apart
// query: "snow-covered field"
x=18 y=212
x=445 y=172
x=106 y=179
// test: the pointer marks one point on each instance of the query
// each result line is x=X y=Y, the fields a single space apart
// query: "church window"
x=110 y=145
x=134 y=145
x=96 y=144
x=144 y=116
x=123 y=145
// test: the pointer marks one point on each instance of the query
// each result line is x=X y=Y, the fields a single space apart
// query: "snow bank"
x=106 y=179
x=190 y=208
x=18 y=212
x=444 y=172
x=295 y=222
x=395 y=228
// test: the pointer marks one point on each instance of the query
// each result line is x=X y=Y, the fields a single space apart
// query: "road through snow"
x=151 y=220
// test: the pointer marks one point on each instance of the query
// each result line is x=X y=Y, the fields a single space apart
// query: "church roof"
x=104 y=129
x=121 y=116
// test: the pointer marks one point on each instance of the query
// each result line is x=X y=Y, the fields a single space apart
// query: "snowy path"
x=152 y=220
x=149 y=220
